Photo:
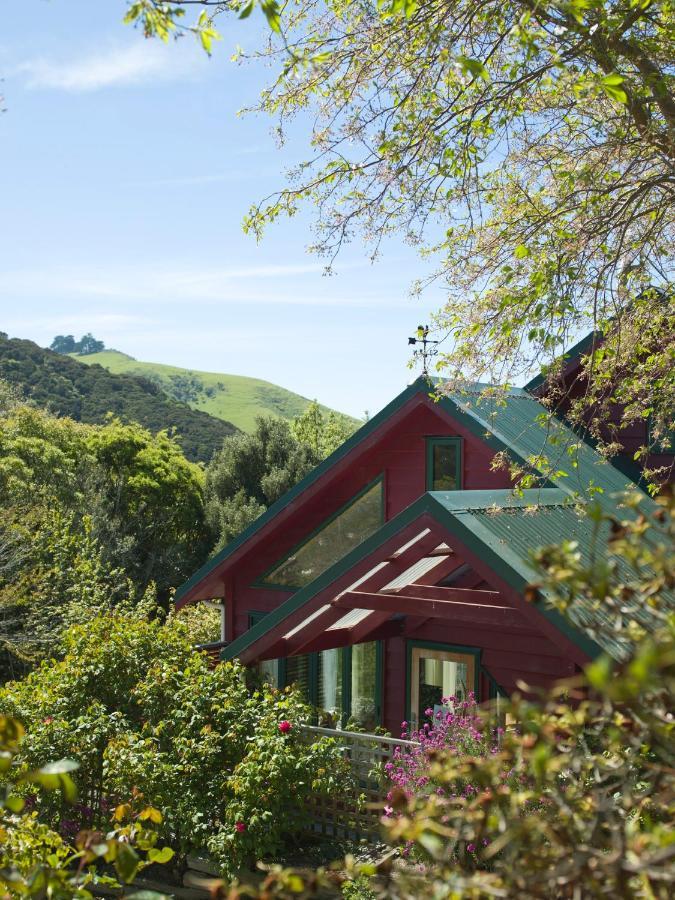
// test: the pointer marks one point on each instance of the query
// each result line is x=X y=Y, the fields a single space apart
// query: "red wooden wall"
x=400 y=454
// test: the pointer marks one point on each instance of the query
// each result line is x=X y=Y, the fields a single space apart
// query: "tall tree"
x=321 y=432
x=527 y=148
x=250 y=473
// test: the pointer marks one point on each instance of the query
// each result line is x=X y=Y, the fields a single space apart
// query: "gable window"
x=444 y=464
x=351 y=525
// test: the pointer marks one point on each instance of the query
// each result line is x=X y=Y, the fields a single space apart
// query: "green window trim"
x=260 y=582
x=456 y=444
x=450 y=648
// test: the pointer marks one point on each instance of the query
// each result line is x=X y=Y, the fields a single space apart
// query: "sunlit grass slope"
x=235 y=398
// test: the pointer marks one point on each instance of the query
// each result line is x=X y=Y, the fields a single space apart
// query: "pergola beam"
x=461 y=595
x=400 y=552
x=450 y=610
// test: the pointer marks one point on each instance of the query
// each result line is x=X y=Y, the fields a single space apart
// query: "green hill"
x=89 y=393
x=235 y=398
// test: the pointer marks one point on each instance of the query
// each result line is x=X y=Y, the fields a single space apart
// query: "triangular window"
x=350 y=525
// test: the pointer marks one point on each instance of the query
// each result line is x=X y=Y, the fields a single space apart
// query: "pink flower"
x=240 y=827
x=285 y=726
x=48 y=720
x=471 y=848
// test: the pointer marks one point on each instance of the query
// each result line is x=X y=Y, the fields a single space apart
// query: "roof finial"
x=428 y=350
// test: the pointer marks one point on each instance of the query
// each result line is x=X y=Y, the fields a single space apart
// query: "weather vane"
x=429 y=348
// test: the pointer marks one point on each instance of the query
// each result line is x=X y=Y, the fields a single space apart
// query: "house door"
x=435 y=676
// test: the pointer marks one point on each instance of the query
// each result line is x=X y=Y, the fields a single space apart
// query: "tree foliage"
x=149 y=722
x=250 y=472
x=322 y=432
x=66 y=343
x=526 y=148
x=91 y=516
x=91 y=394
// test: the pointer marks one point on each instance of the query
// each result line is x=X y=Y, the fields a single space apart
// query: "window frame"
x=313 y=680
x=458 y=649
x=458 y=444
x=253 y=617
x=260 y=583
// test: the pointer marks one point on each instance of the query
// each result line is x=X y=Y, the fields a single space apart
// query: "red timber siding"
x=525 y=656
x=400 y=454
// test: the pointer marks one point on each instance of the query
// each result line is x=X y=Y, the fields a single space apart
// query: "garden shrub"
x=148 y=721
x=577 y=801
x=36 y=861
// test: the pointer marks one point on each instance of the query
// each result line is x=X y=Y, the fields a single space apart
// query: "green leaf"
x=474 y=67
x=610 y=85
x=127 y=862
x=521 y=251
x=161 y=856
x=55 y=776
x=271 y=10
x=246 y=11
x=14 y=804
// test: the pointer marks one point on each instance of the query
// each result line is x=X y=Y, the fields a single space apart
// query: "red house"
x=394 y=574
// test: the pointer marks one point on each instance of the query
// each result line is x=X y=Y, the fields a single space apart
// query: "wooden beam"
x=462 y=595
x=450 y=610
x=444 y=568
x=271 y=645
x=344 y=637
x=298 y=642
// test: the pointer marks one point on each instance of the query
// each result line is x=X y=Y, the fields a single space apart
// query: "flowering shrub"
x=35 y=861
x=458 y=729
x=151 y=724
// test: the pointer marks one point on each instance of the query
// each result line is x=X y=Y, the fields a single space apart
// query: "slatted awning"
x=441 y=560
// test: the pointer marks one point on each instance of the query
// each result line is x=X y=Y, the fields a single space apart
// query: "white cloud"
x=292 y=284
x=133 y=64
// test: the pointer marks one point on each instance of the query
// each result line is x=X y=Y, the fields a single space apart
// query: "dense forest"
x=96 y=517
x=90 y=394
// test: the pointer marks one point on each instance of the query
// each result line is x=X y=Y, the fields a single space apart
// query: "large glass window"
x=443 y=464
x=346 y=530
x=330 y=700
x=342 y=684
x=364 y=685
x=298 y=674
x=437 y=676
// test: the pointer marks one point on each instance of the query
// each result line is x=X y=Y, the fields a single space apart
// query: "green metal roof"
x=509 y=423
x=526 y=429
x=513 y=533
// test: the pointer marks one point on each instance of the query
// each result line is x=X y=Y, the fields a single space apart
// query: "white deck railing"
x=357 y=813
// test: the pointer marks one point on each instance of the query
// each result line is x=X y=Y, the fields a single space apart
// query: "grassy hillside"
x=235 y=398
x=88 y=393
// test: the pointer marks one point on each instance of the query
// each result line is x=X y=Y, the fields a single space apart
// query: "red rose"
x=240 y=826
x=285 y=726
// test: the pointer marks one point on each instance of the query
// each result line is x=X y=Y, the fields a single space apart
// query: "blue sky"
x=125 y=178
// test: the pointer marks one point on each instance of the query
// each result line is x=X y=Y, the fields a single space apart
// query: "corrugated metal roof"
x=418 y=570
x=514 y=532
x=520 y=420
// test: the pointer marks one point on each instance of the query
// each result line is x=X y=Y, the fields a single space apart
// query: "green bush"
x=148 y=721
x=35 y=861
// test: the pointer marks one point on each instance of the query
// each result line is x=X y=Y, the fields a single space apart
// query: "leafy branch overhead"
x=525 y=148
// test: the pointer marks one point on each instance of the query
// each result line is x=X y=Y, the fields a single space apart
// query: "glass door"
x=435 y=676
